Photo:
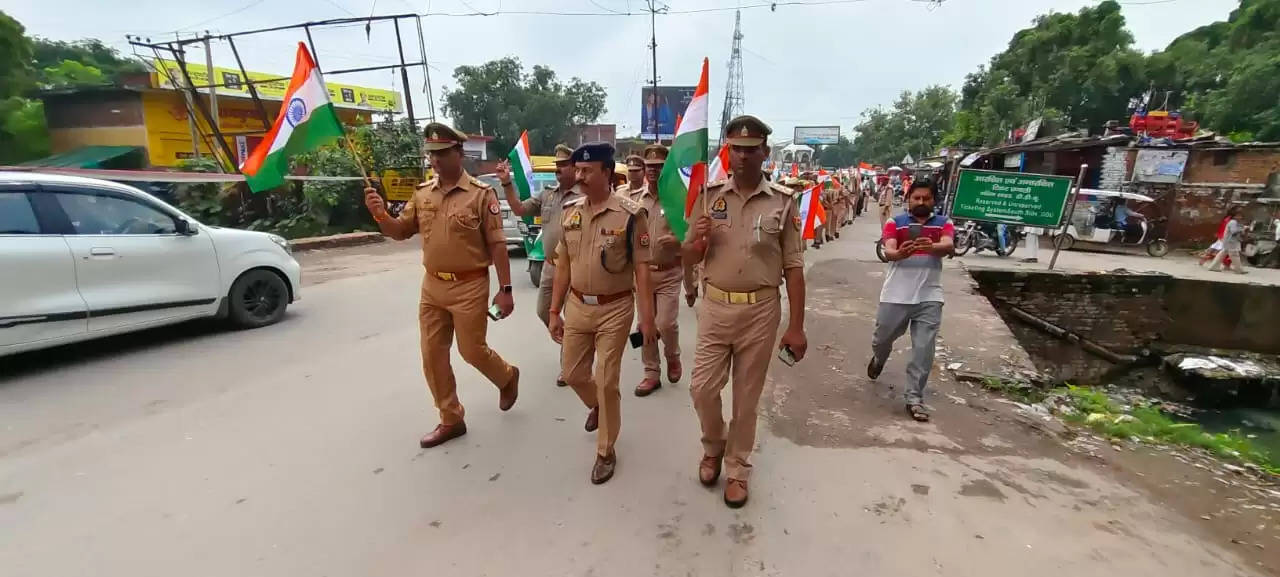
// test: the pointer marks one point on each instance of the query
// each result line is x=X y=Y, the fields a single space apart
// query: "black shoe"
x=874 y=369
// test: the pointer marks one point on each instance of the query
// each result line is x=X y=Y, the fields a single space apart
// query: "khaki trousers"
x=544 y=291
x=447 y=307
x=591 y=359
x=666 y=296
x=885 y=213
x=735 y=339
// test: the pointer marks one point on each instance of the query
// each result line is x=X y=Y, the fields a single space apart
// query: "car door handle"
x=101 y=251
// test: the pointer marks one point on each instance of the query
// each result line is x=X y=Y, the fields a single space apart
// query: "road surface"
x=292 y=450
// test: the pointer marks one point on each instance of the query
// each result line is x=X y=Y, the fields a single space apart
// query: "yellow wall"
x=168 y=136
x=66 y=139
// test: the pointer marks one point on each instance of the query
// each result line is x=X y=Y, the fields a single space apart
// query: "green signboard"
x=1036 y=200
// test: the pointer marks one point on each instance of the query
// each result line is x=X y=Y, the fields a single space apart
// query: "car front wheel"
x=257 y=299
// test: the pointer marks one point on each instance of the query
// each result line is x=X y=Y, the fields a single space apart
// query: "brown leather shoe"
x=674 y=372
x=593 y=420
x=735 y=493
x=443 y=433
x=709 y=470
x=508 y=394
x=647 y=387
x=603 y=469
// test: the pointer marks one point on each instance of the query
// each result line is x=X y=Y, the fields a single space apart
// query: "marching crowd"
x=614 y=264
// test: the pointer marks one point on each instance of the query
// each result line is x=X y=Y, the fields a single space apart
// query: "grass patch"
x=1091 y=407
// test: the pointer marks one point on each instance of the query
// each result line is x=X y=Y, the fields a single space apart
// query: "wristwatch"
x=506 y=288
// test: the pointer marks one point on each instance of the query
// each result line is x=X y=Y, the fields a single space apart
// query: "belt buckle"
x=739 y=298
x=590 y=299
x=447 y=276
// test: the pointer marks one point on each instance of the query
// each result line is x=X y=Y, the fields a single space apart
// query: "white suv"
x=83 y=258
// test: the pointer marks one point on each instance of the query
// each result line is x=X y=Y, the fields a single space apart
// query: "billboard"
x=817 y=135
x=342 y=95
x=658 y=113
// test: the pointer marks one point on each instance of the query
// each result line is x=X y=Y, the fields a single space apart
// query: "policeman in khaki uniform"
x=460 y=223
x=602 y=261
x=635 y=176
x=667 y=274
x=748 y=239
x=548 y=208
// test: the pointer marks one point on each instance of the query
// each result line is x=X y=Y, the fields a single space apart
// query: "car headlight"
x=281 y=242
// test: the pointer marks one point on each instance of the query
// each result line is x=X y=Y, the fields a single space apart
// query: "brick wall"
x=1126 y=313
x=1241 y=166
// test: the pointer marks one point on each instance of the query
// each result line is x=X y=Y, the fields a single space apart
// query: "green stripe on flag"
x=320 y=129
x=518 y=175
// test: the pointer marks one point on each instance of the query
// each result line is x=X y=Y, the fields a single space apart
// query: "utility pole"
x=213 y=92
x=653 y=48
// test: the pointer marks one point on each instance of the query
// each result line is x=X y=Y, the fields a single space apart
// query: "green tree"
x=71 y=73
x=500 y=99
x=1226 y=74
x=838 y=155
x=1079 y=69
x=22 y=132
x=915 y=125
x=111 y=67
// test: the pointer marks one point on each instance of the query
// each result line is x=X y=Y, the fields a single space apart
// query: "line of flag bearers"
x=615 y=264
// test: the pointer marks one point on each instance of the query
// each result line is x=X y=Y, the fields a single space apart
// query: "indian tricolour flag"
x=522 y=166
x=811 y=212
x=306 y=122
x=719 y=165
x=685 y=173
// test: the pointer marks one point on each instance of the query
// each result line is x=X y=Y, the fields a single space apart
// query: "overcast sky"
x=822 y=63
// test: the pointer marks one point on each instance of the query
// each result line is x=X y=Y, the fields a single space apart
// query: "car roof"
x=23 y=177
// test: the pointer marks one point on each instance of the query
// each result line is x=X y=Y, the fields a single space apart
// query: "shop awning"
x=119 y=157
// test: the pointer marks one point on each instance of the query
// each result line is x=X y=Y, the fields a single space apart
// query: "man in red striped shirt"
x=915 y=243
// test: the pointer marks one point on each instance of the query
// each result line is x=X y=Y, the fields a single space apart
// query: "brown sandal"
x=917 y=412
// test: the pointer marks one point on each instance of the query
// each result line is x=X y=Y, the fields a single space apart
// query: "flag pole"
x=356 y=156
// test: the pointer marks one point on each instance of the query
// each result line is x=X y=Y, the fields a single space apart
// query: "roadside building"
x=145 y=121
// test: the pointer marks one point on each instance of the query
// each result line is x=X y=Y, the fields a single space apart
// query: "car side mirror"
x=183 y=227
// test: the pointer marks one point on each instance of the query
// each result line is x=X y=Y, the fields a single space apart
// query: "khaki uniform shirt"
x=755 y=235
x=457 y=225
x=549 y=207
x=660 y=254
x=590 y=231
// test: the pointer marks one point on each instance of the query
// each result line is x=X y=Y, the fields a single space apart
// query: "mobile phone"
x=495 y=313
x=637 y=340
x=786 y=356
x=914 y=230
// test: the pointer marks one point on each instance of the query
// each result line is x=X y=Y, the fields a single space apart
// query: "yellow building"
x=144 y=123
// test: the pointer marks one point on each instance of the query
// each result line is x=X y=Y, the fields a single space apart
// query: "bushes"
x=305 y=208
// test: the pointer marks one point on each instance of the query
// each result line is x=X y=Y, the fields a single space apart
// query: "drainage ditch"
x=1214 y=346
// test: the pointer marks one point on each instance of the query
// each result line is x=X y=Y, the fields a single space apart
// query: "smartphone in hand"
x=495 y=313
x=913 y=230
x=786 y=356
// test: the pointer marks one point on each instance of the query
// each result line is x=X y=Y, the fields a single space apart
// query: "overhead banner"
x=817 y=135
x=659 y=111
x=1036 y=200
x=270 y=86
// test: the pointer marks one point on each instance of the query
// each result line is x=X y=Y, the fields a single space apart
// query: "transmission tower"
x=733 y=94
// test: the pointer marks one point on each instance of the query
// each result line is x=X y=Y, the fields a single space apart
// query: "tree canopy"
x=29 y=64
x=500 y=99
x=914 y=125
x=1078 y=69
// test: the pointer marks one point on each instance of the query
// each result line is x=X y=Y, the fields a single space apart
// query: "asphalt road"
x=292 y=450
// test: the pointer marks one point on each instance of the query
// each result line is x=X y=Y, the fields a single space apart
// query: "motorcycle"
x=975 y=236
